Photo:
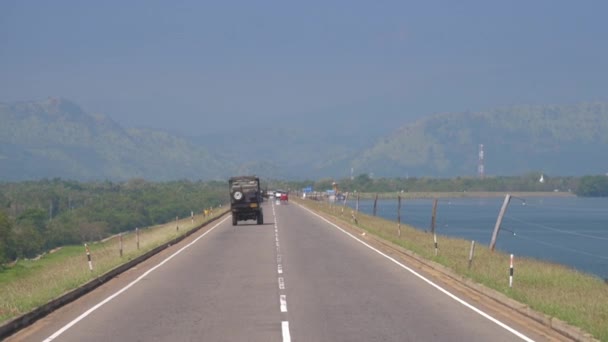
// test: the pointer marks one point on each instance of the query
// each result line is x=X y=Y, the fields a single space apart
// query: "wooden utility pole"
x=375 y=204
x=344 y=203
x=434 y=216
x=399 y=215
x=503 y=210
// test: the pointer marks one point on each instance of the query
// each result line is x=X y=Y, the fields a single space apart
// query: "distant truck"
x=245 y=199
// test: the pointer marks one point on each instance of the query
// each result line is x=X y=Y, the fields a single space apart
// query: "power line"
x=561 y=247
x=570 y=209
x=558 y=230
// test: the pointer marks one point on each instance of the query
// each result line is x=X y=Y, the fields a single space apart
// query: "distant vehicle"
x=284 y=197
x=245 y=199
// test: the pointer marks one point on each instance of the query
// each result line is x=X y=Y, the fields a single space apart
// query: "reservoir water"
x=567 y=230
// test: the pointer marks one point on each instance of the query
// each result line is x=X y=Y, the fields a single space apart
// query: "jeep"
x=245 y=199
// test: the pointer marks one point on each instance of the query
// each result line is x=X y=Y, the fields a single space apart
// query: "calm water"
x=567 y=230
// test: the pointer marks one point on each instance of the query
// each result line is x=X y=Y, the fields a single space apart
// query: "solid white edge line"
x=100 y=304
x=285 y=330
x=446 y=292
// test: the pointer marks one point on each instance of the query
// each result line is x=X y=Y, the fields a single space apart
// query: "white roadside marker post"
x=86 y=248
x=511 y=272
x=471 y=252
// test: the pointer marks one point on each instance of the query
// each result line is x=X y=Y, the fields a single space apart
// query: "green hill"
x=56 y=138
x=561 y=140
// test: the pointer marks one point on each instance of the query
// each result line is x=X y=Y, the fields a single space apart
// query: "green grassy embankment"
x=28 y=284
x=555 y=290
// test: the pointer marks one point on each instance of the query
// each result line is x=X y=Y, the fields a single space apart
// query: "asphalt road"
x=295 y=278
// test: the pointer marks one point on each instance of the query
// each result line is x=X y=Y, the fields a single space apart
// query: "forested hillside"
x=560 y=140
x=56 y=138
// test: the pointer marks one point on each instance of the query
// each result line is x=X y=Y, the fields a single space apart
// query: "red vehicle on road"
x=284 y=197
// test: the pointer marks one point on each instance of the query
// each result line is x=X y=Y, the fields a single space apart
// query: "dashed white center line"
x=281 y=282
x=285 y=329
x=283 y=300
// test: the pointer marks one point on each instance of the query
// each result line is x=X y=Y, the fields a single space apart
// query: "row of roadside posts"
x=501 y=214
x=206 y=213
x=120 y=248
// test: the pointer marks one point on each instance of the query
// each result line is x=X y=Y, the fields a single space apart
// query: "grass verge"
x=28 y=284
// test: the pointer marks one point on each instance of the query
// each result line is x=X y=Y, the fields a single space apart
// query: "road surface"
x=296 y=278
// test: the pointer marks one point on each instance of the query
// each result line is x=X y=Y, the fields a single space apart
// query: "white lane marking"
x=281 y=280
x=285 y=329
x=100 y=304
x=283 y=300
x=446 y=292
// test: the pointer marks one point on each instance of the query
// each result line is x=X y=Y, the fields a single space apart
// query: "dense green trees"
x=593 y=186
x=527 y=182
x=38 y=216
x=364 y=183
x=5 y=234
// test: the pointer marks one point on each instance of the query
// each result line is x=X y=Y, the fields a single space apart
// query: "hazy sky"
x=187 y=66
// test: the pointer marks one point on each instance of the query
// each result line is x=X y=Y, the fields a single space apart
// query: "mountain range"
x=57 y=138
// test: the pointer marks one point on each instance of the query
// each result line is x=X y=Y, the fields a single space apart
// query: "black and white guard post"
x=511 y=272
x=435 y=239
x=86 y=247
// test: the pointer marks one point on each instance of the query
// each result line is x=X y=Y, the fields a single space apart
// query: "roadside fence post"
x=434 y=216
x=120 y=244
x=435 y=240
x=399 y=215
x=375 y=204
x=344 y=203
x=511 y=272
x=501 y=214
x=86 y=248
x=137 y=237
x=471 y=252
x=176 y=223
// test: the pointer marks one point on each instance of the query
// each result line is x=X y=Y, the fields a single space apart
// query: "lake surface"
x=571 y=231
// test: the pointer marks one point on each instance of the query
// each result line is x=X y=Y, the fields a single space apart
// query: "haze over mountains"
x=57 y=138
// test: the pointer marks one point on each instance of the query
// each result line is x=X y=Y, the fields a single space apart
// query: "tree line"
x=37 y=216
x=581 y=186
